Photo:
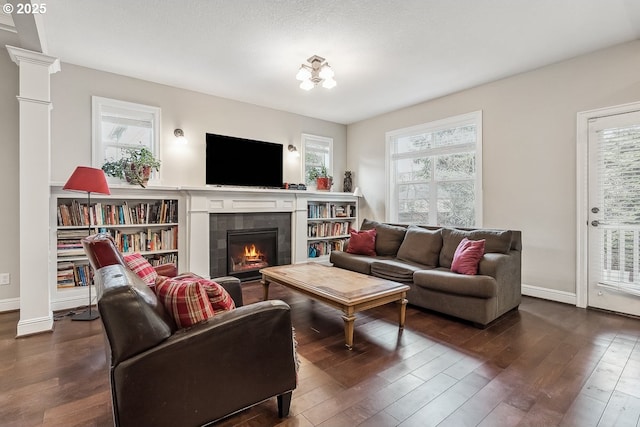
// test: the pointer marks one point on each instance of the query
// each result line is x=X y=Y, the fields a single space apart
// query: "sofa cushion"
x=496 y=241
x=398 y=271
x=388 y=237
x=141 y=266
x=185 y=299
x=467 y=256
x=362 y=242
x=421 y=245
x=353 y=262
x=443 y=280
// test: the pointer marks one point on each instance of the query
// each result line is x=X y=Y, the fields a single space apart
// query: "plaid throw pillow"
x=139 y=265
x=185 y=299
x=218 y=296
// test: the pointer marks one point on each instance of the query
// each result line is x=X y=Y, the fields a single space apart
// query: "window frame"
x=309 y=138
x=127 y=110
x=475 y=117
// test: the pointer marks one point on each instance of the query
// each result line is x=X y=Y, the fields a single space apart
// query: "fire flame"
x=251 y=252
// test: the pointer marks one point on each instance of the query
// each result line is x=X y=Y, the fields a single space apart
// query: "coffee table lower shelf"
x=345 y=290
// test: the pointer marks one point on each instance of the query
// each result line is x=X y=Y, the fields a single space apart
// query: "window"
x=435 y=172
x=317 y=152
x=119 y=124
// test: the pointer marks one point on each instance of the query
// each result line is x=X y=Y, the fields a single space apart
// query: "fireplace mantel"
x=203 y=201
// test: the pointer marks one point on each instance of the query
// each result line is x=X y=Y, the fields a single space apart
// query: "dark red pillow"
x=362 y=242
x=467 y=256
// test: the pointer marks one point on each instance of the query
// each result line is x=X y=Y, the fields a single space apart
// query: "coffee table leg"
x=349 y=320
x=403 y=311
x=265 y=287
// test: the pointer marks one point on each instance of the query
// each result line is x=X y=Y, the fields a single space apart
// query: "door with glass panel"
x=614 y=213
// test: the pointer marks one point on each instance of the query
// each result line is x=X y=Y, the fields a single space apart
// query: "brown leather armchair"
x=161 y=376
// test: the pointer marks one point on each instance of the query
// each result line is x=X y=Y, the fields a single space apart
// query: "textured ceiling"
x=386 y=54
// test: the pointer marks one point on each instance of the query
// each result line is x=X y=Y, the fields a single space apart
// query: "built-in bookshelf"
x=328 y=226
x=149 y=227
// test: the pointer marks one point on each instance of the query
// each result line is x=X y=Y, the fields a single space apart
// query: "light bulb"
x=306 y=85
x=329 y=83
x=303 y=74
x=326 y=72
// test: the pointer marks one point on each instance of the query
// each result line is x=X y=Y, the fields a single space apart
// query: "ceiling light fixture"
x=317 y=71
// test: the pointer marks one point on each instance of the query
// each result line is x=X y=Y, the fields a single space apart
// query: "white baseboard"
x=70 y=303
x=549 y=294
x=9 y=304
x=35 y=325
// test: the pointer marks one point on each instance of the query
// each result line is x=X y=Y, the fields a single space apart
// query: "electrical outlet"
x=5 y=278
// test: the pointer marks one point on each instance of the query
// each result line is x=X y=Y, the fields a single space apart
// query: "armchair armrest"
x=232 y=285
x=246 y=355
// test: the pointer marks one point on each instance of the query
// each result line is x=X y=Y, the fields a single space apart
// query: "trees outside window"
x=434 y=172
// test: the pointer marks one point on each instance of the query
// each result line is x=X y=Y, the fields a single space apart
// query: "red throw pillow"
x=467 y=256
x=218 y=296
x=185 y=300
x=362 y=242
x=139 y=265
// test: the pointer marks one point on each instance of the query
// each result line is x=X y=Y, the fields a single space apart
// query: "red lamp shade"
x=87 y=179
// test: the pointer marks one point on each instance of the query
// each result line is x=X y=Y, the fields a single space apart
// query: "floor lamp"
x=91 y=180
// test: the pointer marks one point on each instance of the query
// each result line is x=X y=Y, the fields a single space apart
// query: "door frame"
x=582 y=193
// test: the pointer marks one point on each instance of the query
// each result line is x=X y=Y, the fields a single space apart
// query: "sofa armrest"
x=492 y=263
x=506 y=269
x=215 y=368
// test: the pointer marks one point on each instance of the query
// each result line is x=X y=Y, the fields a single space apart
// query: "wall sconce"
x=293 y=151
x=180 y=138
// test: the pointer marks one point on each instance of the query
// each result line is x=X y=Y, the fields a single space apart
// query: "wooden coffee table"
x=346 y=290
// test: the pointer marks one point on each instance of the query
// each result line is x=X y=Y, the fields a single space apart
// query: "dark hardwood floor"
x=548 y=364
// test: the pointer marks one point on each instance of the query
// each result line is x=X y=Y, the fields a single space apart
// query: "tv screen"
x=243 y=162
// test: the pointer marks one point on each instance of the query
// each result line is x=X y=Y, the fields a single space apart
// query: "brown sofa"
x=421 y=257
x=164 y=376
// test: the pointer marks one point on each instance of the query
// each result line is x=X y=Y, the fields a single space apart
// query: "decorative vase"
x=323 y=184
x=348 y=182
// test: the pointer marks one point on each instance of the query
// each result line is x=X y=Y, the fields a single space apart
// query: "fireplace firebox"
x=250 y=250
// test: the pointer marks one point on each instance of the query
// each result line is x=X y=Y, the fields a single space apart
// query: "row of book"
x=328 y=229
x=318 y=249
x=330 y=210
x=69 y=242
x=78 y=214
x=144 y=241
x=73 y=274
x=70 y=245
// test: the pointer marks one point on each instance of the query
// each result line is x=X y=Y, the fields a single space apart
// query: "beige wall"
x=9 y=144
x=193 y=112
x=529 y=151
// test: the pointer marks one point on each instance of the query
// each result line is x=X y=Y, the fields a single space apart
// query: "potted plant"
x=135 y=166
x=319 y=174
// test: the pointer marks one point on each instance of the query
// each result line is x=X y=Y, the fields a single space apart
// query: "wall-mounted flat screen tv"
x=243 y=162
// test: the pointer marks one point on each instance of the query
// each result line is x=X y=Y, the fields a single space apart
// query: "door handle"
x=595 y=222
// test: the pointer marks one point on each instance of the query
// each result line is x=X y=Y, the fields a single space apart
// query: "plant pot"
x=323 y=184
x=138 y=176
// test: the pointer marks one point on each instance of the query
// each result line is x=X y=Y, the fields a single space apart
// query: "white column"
x=35 y=171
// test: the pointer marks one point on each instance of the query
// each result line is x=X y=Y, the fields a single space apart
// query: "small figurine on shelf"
x=348 y=182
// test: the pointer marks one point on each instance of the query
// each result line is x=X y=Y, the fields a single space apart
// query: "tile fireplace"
x=243 y=243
